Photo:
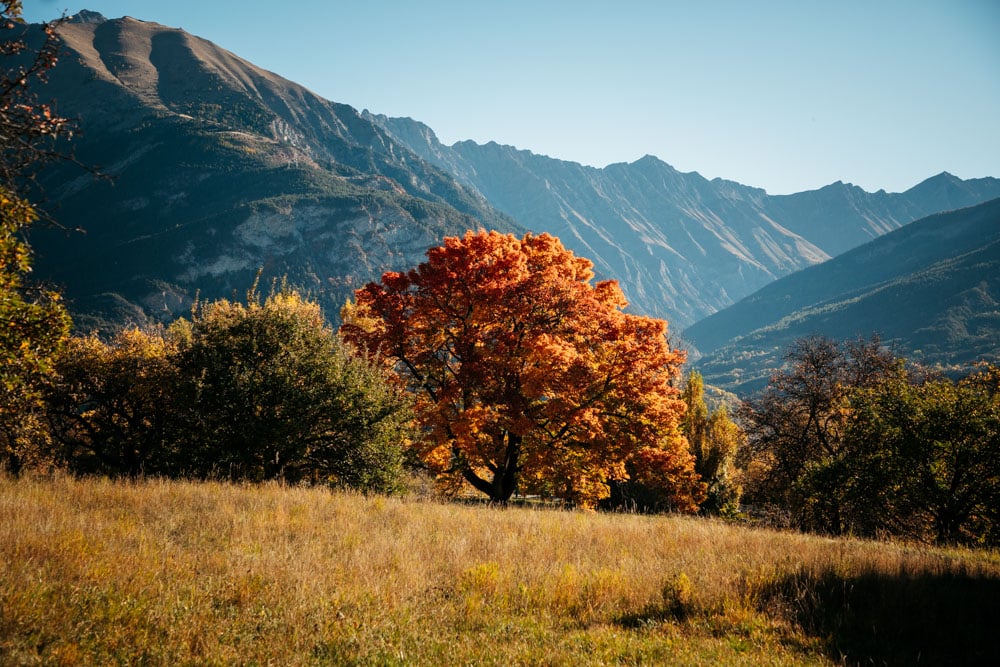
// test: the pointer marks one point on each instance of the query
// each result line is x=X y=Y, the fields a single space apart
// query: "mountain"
x=219 y=169
x=930 y=289
x=682 y=246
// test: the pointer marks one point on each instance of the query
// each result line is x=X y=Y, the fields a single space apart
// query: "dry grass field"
x=156 y=572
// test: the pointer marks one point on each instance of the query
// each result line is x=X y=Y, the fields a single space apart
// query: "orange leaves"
x=28 y=128
x=668 y=470
x=525 y=373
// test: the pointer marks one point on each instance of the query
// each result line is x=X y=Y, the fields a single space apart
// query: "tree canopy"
x=924 y=459
x=525 y=374
x=268 y=392
x=796 y=424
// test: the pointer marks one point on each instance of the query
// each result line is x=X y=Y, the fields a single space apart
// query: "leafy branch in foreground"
x=33 y=321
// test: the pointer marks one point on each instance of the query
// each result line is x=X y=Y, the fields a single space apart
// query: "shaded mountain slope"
x=930 y=289
x=220 y=169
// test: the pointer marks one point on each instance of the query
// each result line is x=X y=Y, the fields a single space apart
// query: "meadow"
x=156 y=572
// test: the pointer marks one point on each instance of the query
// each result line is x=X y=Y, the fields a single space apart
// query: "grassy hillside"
x=97 y=572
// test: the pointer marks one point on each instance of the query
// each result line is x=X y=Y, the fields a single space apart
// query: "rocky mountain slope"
x=682 y=246
x=931 y=290
x=219 y=169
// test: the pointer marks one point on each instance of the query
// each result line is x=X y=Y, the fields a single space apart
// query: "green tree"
x=267 y=392
x=247 y=392
x=33 y=321
x=795 y=451
x=924 y=459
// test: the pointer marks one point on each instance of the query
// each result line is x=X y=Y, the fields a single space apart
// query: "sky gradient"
x=787 y=96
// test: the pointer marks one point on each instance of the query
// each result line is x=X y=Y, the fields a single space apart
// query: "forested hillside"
x=930 y=289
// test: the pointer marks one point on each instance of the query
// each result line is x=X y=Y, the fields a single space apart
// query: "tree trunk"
x=504 y=481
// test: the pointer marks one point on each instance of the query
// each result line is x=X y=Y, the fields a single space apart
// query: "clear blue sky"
x=784 y=95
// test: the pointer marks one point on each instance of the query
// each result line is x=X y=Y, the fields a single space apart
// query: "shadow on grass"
x=676 y=604
x=949 y=619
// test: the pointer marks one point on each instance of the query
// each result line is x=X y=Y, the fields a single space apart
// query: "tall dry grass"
x=156 y=572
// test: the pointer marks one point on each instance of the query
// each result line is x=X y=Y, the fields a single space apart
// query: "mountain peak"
x=86 y=16
x=944 y=177
x=840 y=187
x=649 y=159
x=652 y=163
x=944 y=181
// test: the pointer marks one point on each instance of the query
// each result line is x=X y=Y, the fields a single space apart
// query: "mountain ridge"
x=224 y=168
x=681 y=245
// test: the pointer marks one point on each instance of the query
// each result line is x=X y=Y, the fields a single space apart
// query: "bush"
x=850 y=440
x=261 y=391
x=110 y=406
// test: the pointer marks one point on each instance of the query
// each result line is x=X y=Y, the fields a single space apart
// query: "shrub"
x=262 y=391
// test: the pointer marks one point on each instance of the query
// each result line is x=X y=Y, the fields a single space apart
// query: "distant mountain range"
x=682 y=246
x=931 y=290
x=221 y=169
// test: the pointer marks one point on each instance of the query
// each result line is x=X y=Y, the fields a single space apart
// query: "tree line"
x=849 y=439
x=256 y=391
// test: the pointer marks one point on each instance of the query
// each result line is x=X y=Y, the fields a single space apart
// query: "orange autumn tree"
x=527 y=376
